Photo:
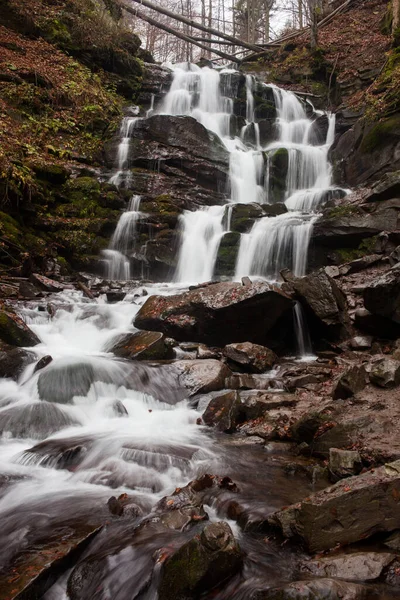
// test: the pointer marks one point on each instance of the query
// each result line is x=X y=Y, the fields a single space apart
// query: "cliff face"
x=66 y=71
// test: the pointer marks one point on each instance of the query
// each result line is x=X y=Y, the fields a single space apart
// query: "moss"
x=343 y=210
x=53 y=173
x=227 y=254
x=379 y=134
x=366 y=247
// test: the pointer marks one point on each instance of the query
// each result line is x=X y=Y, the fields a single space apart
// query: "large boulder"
x=202 y=375
x=349 y=511
x=219 y=314
x=385 y=372
x=14 y=331
x=350 y=382
x=251 y=357
x=224 y=411
x=382 y=295
x=201 y=564
x=13 y=360
x=324 y=301
x=35 y=420
x=142 y=345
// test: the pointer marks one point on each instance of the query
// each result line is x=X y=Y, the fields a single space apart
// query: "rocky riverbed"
x=300 y=449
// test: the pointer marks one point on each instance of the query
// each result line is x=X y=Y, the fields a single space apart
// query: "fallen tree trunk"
x=194 y=24
x=138 y=13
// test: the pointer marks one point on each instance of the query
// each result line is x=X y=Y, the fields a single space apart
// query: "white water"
x=274 y=243
x=141 y=441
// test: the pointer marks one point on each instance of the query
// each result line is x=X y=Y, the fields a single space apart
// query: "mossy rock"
x=14 y=331
x=227 y=254
x=52 y=173
x=243 y=216
x=380 y=134
x=278 y=169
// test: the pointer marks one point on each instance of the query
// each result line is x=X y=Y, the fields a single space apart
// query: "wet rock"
x=37 y=569
x=115 y=296
x=28 y=290
x=302 y=381
x=219 y=314
x=382 y=296
x=143 y=345
x=255 y=404
x=242 y=216
x=45 y=284
x=61 y=382
x=43 y=362
x=246 y=381
x=326 y=589
x=201 y=376
x=224 y=412
x=357 y=566
x=350 y=382
x=252 y=357
x=345 y=512
x=198 y=566
x=37 y=420
x=14 y=331
x=361 y=342
x=204 y=351
x=58 y=453
x=273 y=210
x=344 y=463
x=385 y=372
x=324 y=300
x=227 y=254
x=13 y=360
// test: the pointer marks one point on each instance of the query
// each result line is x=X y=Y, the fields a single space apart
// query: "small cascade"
x=122 y=163
x=123 y=243
x=201 y=234
x=303 y=340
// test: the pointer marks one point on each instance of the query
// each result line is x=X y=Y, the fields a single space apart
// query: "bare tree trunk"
x=396 y=16
x=210 y=24
x=194 y=24
x=138 y=13
x=300 y=11
x=313 y=24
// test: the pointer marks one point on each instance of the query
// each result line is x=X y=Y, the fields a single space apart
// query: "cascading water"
x=275 y=242
x=122 y=243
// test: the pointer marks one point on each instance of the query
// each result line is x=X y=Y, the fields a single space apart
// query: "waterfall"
x=128 y=125
x=275 y=242
x=122 y=243
x=202 y=232
x=303 y=340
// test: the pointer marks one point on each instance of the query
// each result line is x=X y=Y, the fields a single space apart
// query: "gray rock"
x=344 y=463
x=200 y=564
x=323 y=297
x=13 y=360
x=382 y=296
x=388 y=187
x=350 y=382
x=357 y=566
x=319 y=589
x=361 y=342
x=385 y=372
x=224 y=412
x=345 y=512
x=201 y=376
x=254 y=357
